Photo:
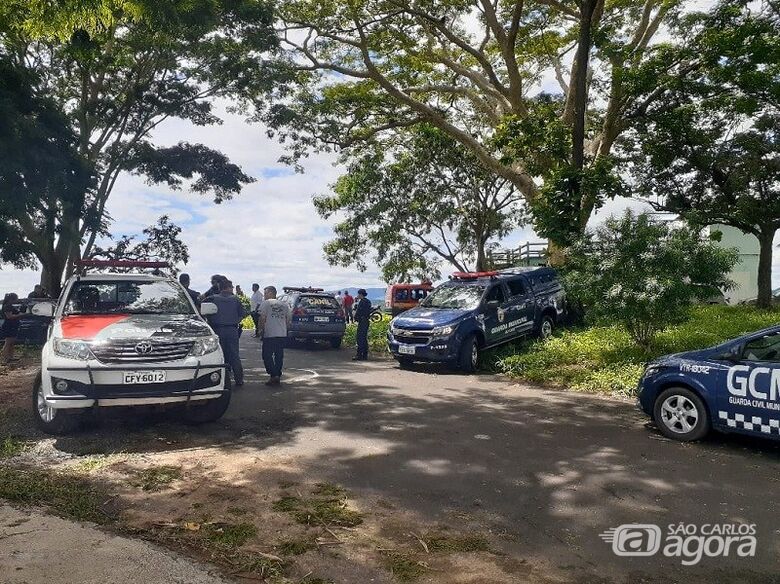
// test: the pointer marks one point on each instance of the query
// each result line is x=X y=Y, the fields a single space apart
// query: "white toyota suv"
x=127 y=340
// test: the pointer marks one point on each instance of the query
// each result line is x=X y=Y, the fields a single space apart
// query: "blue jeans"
x=228 y=340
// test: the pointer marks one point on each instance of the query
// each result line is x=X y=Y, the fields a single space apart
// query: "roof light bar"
x=82 y=265
x=473 y=275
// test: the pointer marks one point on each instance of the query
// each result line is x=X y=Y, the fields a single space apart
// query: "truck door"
x=521 y=308
x=495 y=318
x=750 y=397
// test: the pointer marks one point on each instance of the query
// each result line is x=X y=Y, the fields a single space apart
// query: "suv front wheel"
x=49 y=419
x=681 y=414
x=468 y=358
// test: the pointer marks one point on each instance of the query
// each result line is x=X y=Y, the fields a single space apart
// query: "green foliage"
x=416 y=203
x=156 y=478
x=644 y=274
x=605 y=359
x=377 y=335
x=327 y=505
x=11 y=446
x=230 y=535
x=707 y=146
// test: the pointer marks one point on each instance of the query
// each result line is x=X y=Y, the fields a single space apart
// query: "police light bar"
x=302 y=289
x=473 y=275
x=121 y=264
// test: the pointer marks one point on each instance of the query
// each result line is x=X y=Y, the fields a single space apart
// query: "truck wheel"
x=681 y=414
x=203 y=412
x=405 y=362
x=546 y=327
x=50 y=420
x=468 y=358
x=335 y=342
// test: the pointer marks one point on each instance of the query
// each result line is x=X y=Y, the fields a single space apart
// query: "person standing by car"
x=275 y=317
x=9 y=331
x=255 y=301
x=362 y=314
x=216 y=281
x=184 y=280
x=226 y=323
x=348 y=302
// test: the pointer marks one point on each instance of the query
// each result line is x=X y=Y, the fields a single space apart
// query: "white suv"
x=126 y=340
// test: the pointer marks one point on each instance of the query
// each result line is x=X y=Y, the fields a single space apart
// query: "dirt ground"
x=355 y=474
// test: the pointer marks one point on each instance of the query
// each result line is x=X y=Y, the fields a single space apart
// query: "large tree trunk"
x=580 y=81
x=766 y=243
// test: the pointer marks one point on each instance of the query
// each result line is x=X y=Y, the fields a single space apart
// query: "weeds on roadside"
x=11 y=446
x=156 y=478
x=327 y=506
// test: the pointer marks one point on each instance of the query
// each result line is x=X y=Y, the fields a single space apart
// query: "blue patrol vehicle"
x=732 y=387
x=474 y=311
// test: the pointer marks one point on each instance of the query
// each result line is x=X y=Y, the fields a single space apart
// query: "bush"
x=644 y=274
x=377 y=335
x=604 y=359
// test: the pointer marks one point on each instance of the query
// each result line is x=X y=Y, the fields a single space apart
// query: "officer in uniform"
x=362 y=313
x=226 y=323
x=184 y=280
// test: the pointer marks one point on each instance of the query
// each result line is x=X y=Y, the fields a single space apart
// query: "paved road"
x=37 y=548
x=549 y=471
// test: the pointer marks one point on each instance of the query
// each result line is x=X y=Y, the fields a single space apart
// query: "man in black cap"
x=362 y=313
x=226 y=323
x=184 y=280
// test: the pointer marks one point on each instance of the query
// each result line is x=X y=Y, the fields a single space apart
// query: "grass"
x=230 y=535
x=603 y=359
x=296 y=547
x=11 y=446
x=439 y=542
x=67 y=495
x=157 y=478
x=327 y=505
x=404 y=566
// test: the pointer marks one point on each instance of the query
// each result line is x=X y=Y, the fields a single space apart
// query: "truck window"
x=496 y=293
x=402 y=295
x=517 y=287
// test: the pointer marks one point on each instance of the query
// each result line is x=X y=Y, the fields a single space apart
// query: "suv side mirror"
x=492 y=304
x=43 y=309
x=208 y=308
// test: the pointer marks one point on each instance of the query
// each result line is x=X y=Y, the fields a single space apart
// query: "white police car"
x=732 y=387
x=127 y=340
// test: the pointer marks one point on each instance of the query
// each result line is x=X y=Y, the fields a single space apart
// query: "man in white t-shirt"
x=254 y=307
x=275 y=317
x=340 y=299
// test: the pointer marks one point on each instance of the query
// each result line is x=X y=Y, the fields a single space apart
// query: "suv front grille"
x=412 y=337
x=125 y=351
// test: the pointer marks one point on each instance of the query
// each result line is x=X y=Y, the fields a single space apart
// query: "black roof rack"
x=302 y=289
x=83 y=265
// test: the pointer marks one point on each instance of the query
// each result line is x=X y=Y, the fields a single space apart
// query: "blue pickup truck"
x=474 y=311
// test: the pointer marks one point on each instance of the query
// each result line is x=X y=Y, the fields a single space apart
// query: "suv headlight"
x=652 y=369
x=443 y=331
x=72 y=349
x=204 y=346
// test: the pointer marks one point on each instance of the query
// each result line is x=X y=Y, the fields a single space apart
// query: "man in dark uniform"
x=362 y=312
x=184 y=280
x=216 y=282
x=226 y=323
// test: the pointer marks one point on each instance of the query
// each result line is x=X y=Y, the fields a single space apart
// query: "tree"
x=470 y=68
x=709 y=147
x=644 y=274
x=43 y=180
x=423 y=201
x=161 y=244
x=118 y=69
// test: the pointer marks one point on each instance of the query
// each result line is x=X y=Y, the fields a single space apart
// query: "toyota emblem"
x=144 y=348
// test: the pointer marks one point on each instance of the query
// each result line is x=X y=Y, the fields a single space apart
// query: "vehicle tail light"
x=340 y=313
x=299 y=312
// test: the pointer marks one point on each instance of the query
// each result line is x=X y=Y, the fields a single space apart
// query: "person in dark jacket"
x=184 y=280
x=362 y=313
x=9 y=330
x=226 y=323
x=216 y=287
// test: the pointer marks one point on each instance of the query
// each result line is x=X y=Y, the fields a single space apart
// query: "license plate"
x=406 y=349
x=321 y=319
x=131 y=377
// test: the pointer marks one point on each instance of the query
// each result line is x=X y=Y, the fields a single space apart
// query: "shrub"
x=377 y=335
x=645 y=274
x=604 y=359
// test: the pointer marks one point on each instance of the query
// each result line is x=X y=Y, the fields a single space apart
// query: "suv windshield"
x=459 y=297
x=127 y=297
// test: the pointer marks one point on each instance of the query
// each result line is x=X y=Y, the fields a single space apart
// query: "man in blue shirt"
x=226 y=323
x=362 y=314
